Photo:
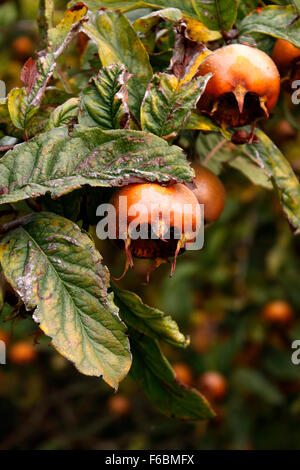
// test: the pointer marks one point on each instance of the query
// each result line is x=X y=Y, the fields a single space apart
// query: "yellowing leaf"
x=19 y=111
x=197 y=31
x=194 y=65
x=200 y=122
x=72 y=16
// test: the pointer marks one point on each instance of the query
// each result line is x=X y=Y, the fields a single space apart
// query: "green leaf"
x=238 y=159
x=279 y=171
x=57 y=271
x=118 y=43
x=278 y=365
x=253 y=382
x=186 y=6
x=275 y=21
x=104 y=102
x=251 y=171
x=203 y=123
x=244 y=8
x=297 y=5
x=168 y=104
x=145 y=24
x=152 y=370
x=213 y=147
x=215 y=14
x=150 y=321
x=63 y=114
x=56 y=162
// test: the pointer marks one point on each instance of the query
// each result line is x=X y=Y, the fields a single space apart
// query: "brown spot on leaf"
x=3 y=190
x=77 y=6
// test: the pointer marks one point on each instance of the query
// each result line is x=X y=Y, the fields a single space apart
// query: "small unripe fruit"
x=244 y=86
x=213 y=385
x=119 y=405
x=183 y=373
x=285 y=55
x=210 y=192
x=278 y=312
x=22 y=47
x=204 y=334
x=22 y=353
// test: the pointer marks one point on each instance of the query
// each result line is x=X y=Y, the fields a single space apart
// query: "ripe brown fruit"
x=22 y=353
x=22 y=47
x=210 y=192
x=204 y=332
x=244 y=87
x=278 y=312
x=119 y=405
x=285 y=55
x=163 y=212
x=213 y=385
x=183 y=373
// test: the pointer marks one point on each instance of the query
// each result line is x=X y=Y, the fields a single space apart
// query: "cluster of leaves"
x=119 y=127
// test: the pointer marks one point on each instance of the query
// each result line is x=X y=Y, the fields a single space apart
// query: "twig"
x=14 y=223
x=5 y=148
x=214 y=151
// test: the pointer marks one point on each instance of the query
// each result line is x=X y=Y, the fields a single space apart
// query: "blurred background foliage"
x=217 y=296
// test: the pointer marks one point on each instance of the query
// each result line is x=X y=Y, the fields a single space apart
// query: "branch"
x=14 y=223
x=214 y=151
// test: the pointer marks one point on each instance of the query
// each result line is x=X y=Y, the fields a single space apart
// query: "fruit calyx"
x=244 y=86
